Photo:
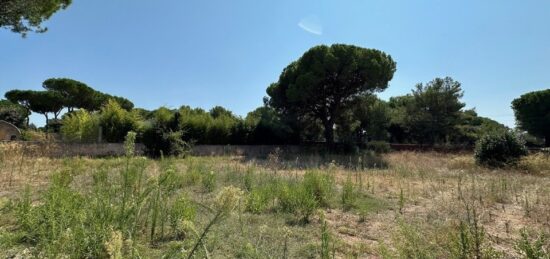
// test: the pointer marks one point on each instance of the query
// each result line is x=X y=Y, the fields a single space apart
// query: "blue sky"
x=205 y=53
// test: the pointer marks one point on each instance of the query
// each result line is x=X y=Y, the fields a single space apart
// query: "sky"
x=205 y=53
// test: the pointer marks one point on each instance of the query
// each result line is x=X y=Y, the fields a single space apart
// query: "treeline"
x=430 y=114
x=327 y=96
x=58 y=94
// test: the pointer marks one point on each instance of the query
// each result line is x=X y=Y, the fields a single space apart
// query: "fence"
x=62 y=149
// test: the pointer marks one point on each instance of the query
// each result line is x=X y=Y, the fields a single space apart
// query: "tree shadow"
x=284 y=160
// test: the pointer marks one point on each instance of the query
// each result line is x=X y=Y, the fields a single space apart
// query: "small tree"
x=499 y=150
x=532 y=112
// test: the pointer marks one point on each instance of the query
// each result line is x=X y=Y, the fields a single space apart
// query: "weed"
x=320 y=185
x=208 y=181
x=539 y=248
x=349 y=195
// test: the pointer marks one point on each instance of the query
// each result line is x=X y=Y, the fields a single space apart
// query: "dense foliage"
x=326 y=96
x=498 y=150
x=533 y=113
x=326 y=80
x=24 y=16
x=80 y=126
x=116 y=122
x=14 y=113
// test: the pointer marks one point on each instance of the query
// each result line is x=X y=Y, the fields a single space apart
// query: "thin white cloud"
x=311 y=24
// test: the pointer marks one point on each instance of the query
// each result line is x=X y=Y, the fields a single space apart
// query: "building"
x=9 y=131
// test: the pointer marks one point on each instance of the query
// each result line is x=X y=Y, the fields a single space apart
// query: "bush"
x=499 y=150
x=159 y=141
x=320 y=185
x=80 y=126
x=379 y=147
x=116 y=122
x=295 y=198
x=258 y=200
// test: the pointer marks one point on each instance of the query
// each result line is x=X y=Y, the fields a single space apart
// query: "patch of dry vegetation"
x=404 y=205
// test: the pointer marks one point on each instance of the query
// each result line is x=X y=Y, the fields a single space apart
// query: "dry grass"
x=424 y=193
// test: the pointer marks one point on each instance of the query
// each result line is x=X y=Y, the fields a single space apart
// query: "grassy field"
x=398 y=205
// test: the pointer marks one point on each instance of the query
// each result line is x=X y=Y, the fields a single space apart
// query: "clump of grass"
x=226 y=202
x=258 y=200
x=533 y=248
x=182 y=210
x=248 y=180
x=538 y=164
x=401 y=201
x=325 y=242
x=349 y=195
x=195 y=171
x=208 y=181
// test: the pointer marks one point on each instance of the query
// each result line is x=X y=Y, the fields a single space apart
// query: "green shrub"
x=296 y=199
x=116 y=121
x=320 y=185
x=80 y=126
x=258 y=200
x=499 y=150
x=379 y=147
x=61 y=224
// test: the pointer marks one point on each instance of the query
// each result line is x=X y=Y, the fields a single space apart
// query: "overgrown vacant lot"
x=403 y=204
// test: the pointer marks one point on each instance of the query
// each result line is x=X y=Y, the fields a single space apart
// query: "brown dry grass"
x=432 y=188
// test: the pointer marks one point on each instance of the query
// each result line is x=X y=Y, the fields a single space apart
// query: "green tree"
x=24 y=16
x=42 y=102
x=219 y=111
x=532 y=112
x=373 y=116
x=398 y=111
x=267 y=127
x=326 y=79
x=472 y=127
x=14 y=113
x=435 y=110
x=75 y=94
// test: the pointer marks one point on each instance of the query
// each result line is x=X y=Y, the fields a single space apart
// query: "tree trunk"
x=47 y=120
x=329 y=133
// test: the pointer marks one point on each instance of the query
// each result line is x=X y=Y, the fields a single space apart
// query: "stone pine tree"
x=42 y=102
x=24 y=16
x=532 y=112
x=324 y=82
x=75 y=94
